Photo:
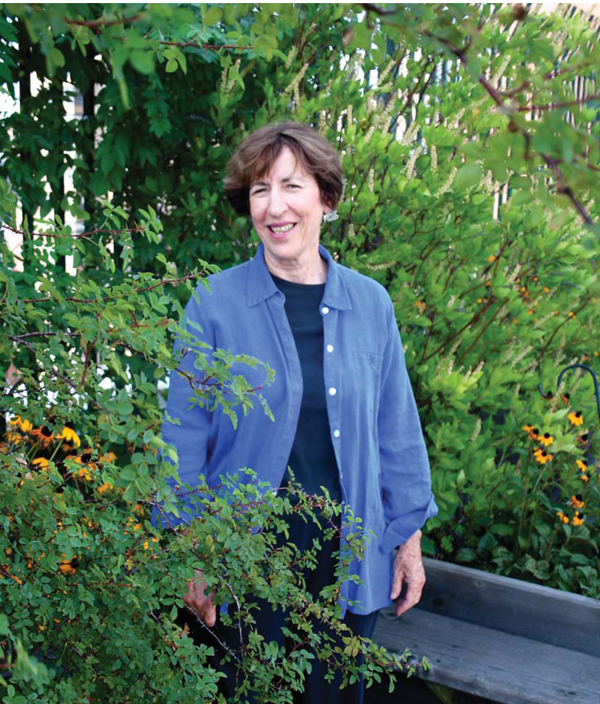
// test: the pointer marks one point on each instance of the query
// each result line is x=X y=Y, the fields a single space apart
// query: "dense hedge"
x=470 y=105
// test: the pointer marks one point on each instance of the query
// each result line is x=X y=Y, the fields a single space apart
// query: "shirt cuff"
x=400 y=529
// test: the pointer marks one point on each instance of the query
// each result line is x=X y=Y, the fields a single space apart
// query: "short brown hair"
x=256 y=154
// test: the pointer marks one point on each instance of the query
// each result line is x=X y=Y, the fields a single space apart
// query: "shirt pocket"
x=366 y=381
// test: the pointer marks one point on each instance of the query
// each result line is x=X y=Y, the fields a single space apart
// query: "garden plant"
x=471 y=156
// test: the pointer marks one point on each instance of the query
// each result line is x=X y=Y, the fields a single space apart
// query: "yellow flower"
x=44 y=435
x=542 y=456
x=22 y=424
x=546 y=439
x=576 y=418
x=577 y=519
x=491 y=258
x=533 y=433
x=68 y=433
x=584 y=478
x=561 y=517
x=67 y=566
x=546 y=289
x=576 y=501
x=582 y=465
x=40 y=463
x=108 y=457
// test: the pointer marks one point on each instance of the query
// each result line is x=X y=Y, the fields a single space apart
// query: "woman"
x=345 y=416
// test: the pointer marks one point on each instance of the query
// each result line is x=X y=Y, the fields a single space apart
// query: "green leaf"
x=467 y=176
x=142 y=61
x=212 y=16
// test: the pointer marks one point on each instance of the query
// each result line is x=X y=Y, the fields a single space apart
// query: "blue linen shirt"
x=373 y=420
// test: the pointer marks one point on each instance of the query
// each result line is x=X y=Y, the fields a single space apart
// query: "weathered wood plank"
x=520 y=608
x=488 y=663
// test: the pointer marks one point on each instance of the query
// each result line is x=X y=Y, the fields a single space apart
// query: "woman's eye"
x=260 y=190
x=294 y=185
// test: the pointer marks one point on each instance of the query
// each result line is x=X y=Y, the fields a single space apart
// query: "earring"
x=330 y=216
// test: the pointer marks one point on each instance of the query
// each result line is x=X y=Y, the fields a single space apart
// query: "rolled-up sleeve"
x=405 y=475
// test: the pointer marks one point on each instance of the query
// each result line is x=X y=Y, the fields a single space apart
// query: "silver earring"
x=330 y=216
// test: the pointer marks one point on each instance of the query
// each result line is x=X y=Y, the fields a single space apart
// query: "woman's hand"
x=408 y=567
x=199 y=602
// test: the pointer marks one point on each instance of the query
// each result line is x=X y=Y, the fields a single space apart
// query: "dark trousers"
x=269 y=624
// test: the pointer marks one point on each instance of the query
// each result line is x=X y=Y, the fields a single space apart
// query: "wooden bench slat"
x=512 y=606
x=488 y=663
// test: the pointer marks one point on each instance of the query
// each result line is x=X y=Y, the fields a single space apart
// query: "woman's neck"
x=311 y=272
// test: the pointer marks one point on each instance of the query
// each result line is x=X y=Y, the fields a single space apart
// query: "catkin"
x=410 y=164
x=434 y=159
x=446 y=186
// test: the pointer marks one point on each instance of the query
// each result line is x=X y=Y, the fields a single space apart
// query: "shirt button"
x=324 y=310
x=332 y=391
x=336 y=433
x=330 y=348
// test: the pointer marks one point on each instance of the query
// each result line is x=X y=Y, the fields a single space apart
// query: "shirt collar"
x=261 y=286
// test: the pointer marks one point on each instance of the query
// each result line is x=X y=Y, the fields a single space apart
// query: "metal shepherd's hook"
x=560 y=376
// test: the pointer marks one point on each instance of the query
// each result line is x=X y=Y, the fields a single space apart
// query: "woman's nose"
x=276 y=205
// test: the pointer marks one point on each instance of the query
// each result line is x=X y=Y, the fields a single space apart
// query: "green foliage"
x=471 y=193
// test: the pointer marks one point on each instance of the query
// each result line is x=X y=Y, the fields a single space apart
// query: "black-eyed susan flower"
x=40 y=463
x=109 y=457
x=546 y=439
x=584 y=478
x=576 y=418
x=576 y=501
x=22 y=424
x=68 y=566
x=562 y=517
x=582 y=465
x=542 y=456
x=533 y=433
x=491 y=258
x=44 y=435
x=68 y=433
x=577 y=519
x=583 y=438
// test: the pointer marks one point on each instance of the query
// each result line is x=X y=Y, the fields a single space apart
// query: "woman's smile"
x=279 y=232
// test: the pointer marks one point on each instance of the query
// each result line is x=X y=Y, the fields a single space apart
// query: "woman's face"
x=286 y=210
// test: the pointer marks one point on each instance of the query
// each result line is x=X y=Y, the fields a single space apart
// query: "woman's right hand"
x=200 y=603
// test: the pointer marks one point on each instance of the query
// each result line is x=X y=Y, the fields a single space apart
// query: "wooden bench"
x=500 y=638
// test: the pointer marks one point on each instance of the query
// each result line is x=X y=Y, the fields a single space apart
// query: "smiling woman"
x=345 y=420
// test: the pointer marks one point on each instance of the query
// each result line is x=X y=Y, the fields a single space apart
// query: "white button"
x=332 y=391
x=330 y=348
x=336 y=433
x=324 y=310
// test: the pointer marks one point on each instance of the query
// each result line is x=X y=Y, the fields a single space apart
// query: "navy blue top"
x=312 y=459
